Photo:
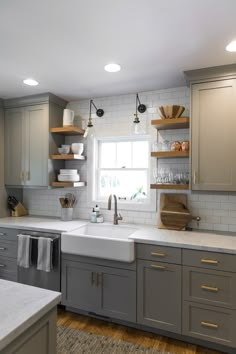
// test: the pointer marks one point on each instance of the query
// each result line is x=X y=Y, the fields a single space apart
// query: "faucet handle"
x=119 y=217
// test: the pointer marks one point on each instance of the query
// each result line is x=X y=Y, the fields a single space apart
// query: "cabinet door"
x=36 y=154
x=213 y=127
x=14 y=146
x=159 y=295
x=118 y=298
x=79 y=286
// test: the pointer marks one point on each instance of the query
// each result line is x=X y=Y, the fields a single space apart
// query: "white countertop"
x=21 y=306
x=40 y=223
x=200 y=240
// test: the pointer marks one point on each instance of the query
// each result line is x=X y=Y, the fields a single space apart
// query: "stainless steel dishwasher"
x=32 y=276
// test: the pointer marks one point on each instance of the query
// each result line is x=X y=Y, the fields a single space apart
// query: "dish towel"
x=24 y=251
x=44 y=254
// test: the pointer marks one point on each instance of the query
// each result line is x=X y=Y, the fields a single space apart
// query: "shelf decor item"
x=173 y=111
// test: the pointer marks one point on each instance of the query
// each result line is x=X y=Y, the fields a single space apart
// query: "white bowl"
x=77 y=148
x=68 y=178
x=64 y=150
x=68 y=172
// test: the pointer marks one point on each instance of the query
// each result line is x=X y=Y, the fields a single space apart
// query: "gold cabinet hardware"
x=2 y=265
x=158 y=266
x=209 y=288
x=194 y=177
x=157 y=254
x=2 y=248
x=209 y=325
x=209 y=261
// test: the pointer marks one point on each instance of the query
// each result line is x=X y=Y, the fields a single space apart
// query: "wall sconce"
x=141 y=108
x=99 y=112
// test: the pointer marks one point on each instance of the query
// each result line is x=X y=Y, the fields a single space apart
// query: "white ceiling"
x=64 y=44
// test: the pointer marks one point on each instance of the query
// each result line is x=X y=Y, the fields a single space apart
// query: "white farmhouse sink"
x=101 y=241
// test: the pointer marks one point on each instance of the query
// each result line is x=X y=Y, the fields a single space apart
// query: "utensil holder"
x=66 y=214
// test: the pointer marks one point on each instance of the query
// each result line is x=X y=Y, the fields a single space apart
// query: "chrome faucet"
x=116 y=216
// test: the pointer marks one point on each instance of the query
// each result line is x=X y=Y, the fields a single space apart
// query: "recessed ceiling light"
x=31 y=82
x=231 y=47
x=112 y=68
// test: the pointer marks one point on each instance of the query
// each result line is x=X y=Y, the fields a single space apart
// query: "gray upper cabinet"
x=213 y=112
x=159 y=295
x=27 y=140
x=213 y=139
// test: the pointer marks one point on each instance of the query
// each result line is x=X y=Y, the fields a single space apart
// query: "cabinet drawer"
x=8 y=249
x=210 y=260
x=209 y=323
x=209 y=287
x=8 y=234
x=159 y=253
x=7 y=265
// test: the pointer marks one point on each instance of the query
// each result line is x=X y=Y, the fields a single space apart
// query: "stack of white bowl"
x=68 y=175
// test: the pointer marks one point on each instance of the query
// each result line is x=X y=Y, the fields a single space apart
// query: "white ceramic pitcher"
x=68 y=117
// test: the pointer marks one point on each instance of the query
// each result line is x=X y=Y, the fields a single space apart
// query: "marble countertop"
x=21 y=306
x=199 y=240
x=40 y=223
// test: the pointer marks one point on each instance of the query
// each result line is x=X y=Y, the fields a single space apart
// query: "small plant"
x=139 y=195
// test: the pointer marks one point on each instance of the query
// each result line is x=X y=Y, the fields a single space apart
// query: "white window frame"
x=148 y=205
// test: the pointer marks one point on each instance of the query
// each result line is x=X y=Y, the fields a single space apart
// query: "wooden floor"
x=69 y=319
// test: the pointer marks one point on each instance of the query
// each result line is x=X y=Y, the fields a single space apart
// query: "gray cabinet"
x=98 y=289
x=159 y=295
x=8 y=253
x=27 y=140
x=213 y=144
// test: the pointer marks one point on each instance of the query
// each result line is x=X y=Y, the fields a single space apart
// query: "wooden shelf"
x=171 y=123
x=68 y=130
x=67 y=157
x=169 y=154
x=68 y=184
x=170 y=186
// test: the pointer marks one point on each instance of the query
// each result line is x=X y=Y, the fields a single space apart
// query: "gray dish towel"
x=44 y=254
x=24 y=251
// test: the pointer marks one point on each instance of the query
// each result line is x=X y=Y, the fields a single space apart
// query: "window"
x=123 y=169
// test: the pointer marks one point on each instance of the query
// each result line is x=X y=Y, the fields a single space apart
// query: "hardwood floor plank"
x=99 y=327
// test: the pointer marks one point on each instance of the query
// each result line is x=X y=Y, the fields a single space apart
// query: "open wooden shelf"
x=68 y=130
x=68 y=184
x=171 y=123
x=170 y=186
x=169 y=154
x=67 y=157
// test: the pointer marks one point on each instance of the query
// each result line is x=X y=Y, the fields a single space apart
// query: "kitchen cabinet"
x=213 y=144
x=98 y=289
x=159 y=288
x=8 y=254
x=27 y=140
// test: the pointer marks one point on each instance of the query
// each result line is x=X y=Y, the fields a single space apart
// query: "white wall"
x=217 y=210
x=3 y=196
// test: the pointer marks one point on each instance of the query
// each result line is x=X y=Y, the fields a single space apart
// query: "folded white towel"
x=24 y=251
x=44 y=254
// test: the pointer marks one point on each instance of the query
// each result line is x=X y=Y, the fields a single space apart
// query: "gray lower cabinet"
x=98 y=289
x=8 y=254
x=159 y=295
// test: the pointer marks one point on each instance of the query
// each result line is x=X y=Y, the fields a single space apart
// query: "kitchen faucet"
x=116 y=217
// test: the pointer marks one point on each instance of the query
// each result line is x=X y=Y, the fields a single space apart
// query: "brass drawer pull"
x=210 y=325
x=158 y=266
x=2 y=265
x=2 y=248
x=210 y=288
x=209 y=261
x=157 y=254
